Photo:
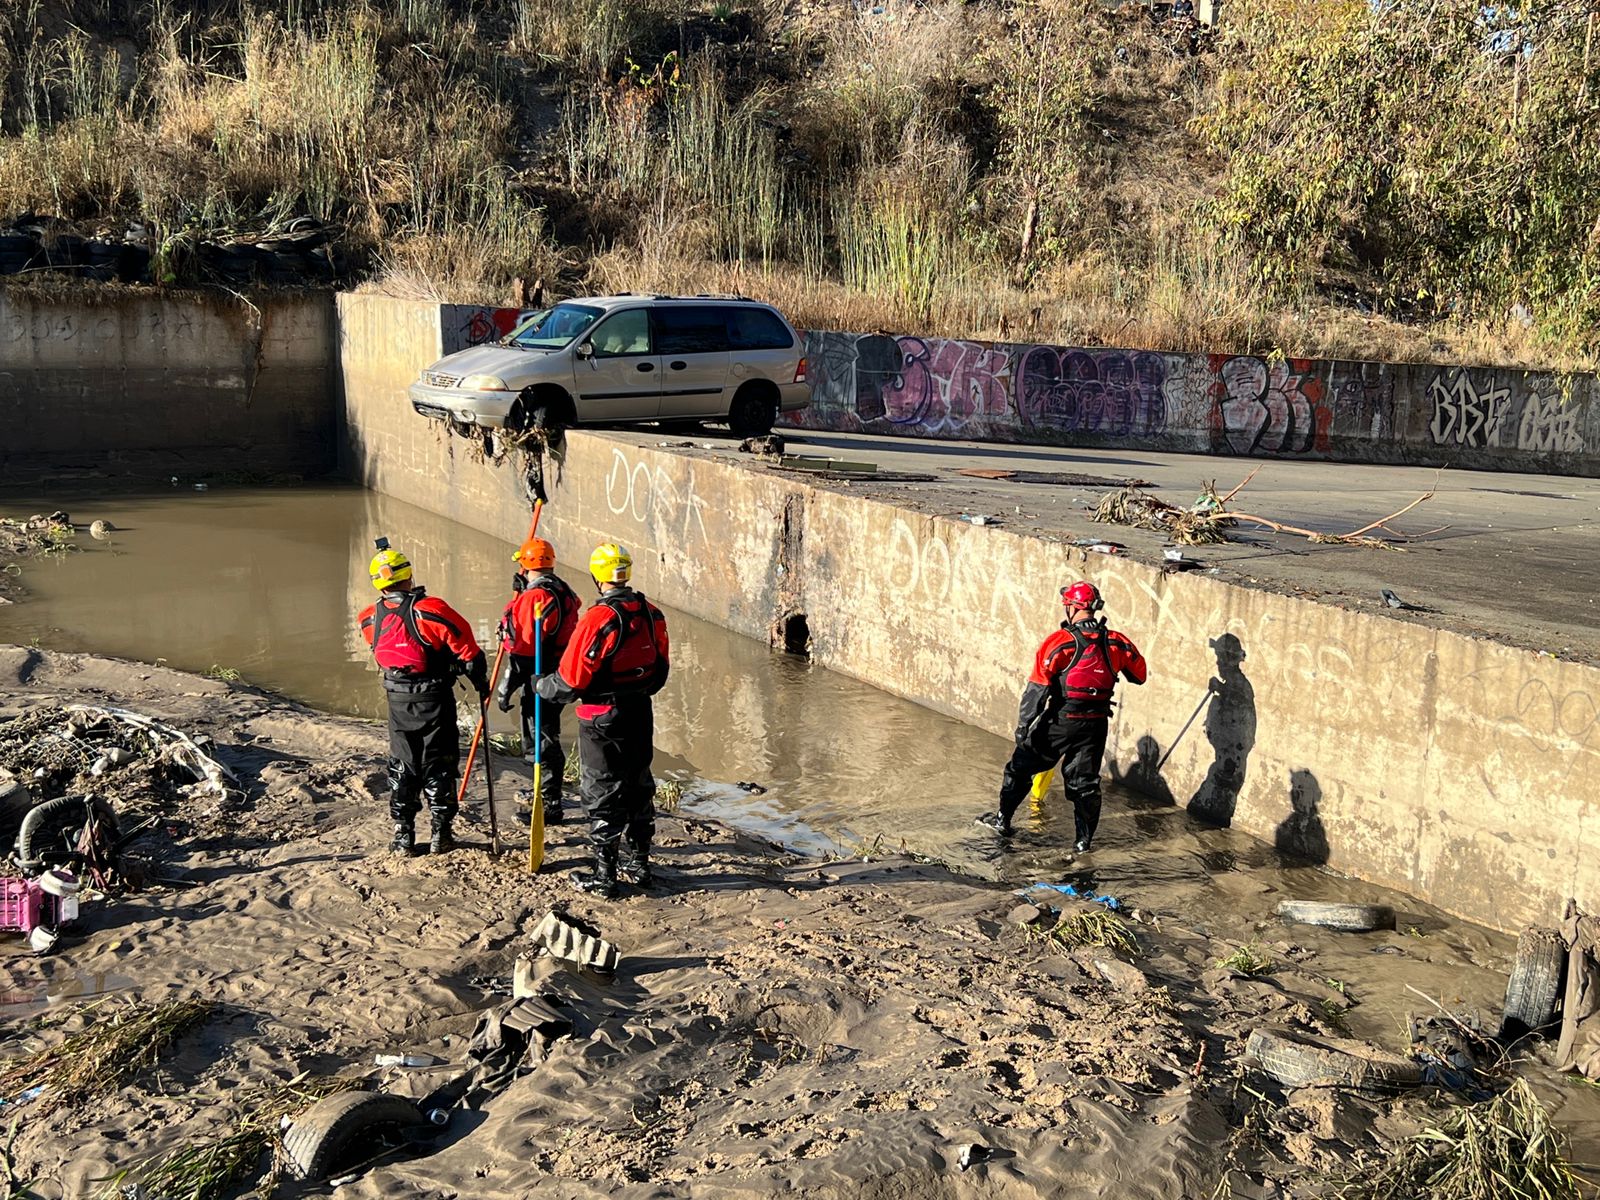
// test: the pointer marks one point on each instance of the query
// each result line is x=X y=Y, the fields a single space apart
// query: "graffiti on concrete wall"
x=1466 y=411
x=924 y=386
x=1114 y=392
x=1549 y=426
x=466 y=325
x=1264 y=407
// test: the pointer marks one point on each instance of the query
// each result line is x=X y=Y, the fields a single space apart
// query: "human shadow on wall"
x=1144 y=774
x=1301 y=834
x=1231 y=730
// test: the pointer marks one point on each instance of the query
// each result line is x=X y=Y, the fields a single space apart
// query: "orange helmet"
x=536 y=553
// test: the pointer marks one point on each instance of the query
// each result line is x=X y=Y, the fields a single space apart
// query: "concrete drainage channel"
x=942 y=613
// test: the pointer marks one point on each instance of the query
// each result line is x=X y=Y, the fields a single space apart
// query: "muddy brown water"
x=267 y=582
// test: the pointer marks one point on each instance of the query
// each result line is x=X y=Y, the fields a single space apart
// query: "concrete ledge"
x=1458 y=770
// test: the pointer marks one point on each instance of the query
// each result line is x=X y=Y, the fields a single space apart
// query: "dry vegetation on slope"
x=1319 y=176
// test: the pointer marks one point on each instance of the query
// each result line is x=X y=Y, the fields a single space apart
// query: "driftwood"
x=1205 y=521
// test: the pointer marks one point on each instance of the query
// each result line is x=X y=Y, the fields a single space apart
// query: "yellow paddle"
x=1041 y=783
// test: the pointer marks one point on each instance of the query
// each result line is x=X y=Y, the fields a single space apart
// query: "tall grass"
x=1031 y=171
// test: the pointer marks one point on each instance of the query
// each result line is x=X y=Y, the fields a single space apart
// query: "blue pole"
x=536 y=807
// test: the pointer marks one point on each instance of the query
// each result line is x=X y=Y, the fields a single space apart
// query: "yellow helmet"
x=610 y=563
x=388 y=568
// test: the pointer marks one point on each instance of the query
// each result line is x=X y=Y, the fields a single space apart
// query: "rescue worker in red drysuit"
x=422 y=644
x=1066 y=712
x=538 y=588
x=616 y=661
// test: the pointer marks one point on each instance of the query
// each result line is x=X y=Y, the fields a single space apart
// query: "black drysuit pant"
x=546 y=747
x=615 y=746
x=1079 y=745
x=424 y=752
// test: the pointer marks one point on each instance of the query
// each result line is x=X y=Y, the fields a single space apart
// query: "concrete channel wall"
x=144 y=384
x=1461 y=771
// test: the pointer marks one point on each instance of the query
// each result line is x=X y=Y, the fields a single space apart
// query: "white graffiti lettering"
x=654 y=497
x=1549 y=426
x=1464 y=415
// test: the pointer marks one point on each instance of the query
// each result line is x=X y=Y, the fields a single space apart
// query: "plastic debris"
x=403 y=1060
x=972 y=1154
x=1067 y=889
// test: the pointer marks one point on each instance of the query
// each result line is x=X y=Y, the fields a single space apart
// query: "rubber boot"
x=992 y=820
x=443 y=840
x=602 y=881
x=405 y=839
x=554 y=811
x=634 y=865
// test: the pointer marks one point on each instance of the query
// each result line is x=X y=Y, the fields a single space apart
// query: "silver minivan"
x=626 y=358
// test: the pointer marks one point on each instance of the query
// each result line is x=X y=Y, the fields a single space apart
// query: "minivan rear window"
x=757 y=329
x=690 y=329
x=554 y=327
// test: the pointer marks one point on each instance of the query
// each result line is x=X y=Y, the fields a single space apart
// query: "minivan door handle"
x=678 y=365
x=647 y=366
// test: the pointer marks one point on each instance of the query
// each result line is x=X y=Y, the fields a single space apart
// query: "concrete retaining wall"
x=1211 y=404
x=1458 y=770
x=145 y=384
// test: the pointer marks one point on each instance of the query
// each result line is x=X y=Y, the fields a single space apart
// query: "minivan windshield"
x=552 y=328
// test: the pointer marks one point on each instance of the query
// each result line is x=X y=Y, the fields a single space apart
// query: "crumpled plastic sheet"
x=1067 y=889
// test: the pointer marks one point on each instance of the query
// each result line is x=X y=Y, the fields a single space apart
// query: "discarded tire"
x=1535 y=983
x=1347 y=918
x=1296 y=1060
x=51 y=831
x=339 y=1130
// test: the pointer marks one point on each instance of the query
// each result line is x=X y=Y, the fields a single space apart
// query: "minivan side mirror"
x=585 y=350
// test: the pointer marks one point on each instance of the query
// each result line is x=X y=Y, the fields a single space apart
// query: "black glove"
x=507 y=687
x=477 y=673
x=519 y=581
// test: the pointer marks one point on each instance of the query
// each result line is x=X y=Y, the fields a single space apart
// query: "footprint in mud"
x=1006 y=1074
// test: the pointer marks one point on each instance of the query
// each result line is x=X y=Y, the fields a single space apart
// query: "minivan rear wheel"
x=753 y=412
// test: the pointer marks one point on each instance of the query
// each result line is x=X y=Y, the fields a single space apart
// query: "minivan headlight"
x=484 y=383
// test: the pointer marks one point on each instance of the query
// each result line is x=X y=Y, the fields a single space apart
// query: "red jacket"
x=619 y=649
x=441 y=636
x=1075 y=673
x=560 y=605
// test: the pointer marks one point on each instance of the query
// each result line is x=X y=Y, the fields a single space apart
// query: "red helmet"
x=1082 y=595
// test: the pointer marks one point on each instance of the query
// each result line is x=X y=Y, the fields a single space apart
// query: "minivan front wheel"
x=753 y=412
x=538 y=410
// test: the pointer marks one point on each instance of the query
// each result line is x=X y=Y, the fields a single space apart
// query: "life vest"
x=397 y=645
x=633 y=665
x=1087 y=680
x=567 y=606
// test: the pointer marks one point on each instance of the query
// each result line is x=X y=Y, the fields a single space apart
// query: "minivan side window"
x=757 y=329
x=623 y=334
x=691 y=329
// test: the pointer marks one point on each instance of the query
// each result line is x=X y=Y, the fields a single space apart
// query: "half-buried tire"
x=1347 y=918
x=52 y=831
x=1297 y=1060
x=1535 y=983
x=343 y=1130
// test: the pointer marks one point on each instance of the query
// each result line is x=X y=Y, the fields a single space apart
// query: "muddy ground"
x=778 y=1026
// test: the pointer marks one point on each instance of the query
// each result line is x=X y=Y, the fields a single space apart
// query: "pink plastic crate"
x=22 y=904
